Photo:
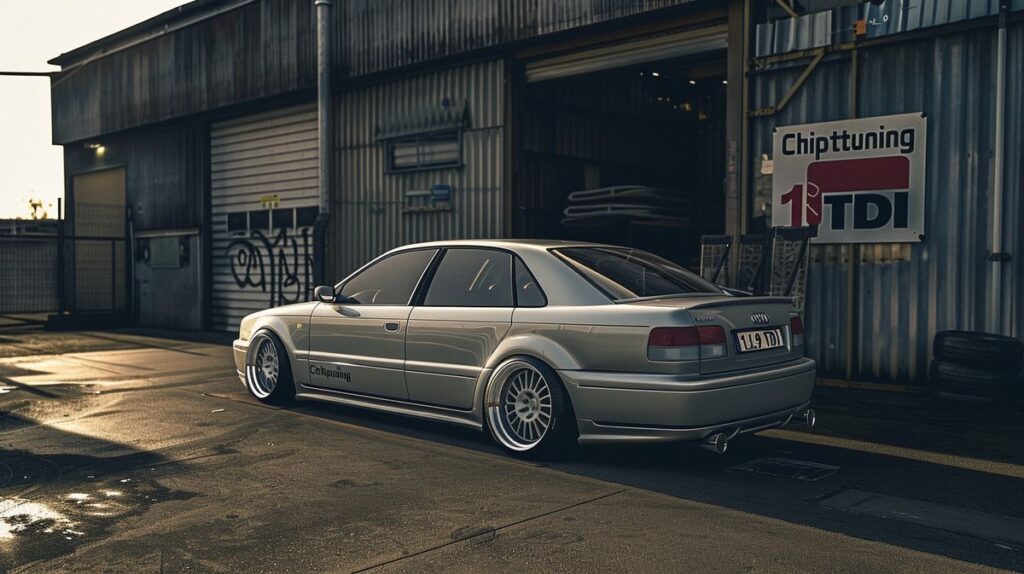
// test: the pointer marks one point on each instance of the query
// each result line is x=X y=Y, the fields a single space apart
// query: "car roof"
x=510 y=244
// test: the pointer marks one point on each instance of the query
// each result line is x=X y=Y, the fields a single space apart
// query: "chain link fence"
x=51 y=273
x=29 y=275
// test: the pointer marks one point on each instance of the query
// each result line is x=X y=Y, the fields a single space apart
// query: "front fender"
x=294 y=335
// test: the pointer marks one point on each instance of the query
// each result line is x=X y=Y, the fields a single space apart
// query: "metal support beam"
x=735 y=122
x=774 y=109
x=789 y=9
x=852 y=250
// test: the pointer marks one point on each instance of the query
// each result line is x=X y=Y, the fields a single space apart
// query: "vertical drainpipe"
x=325 y=134
x=852 y=249
x=997 y=258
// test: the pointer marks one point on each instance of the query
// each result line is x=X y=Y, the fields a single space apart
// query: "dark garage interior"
x=660 y=125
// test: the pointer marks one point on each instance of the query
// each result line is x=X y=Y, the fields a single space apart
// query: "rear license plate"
x=759 y=340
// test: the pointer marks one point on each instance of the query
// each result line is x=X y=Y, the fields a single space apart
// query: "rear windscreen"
x=624 y=273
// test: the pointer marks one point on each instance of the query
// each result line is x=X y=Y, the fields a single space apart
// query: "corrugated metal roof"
x=175 y=16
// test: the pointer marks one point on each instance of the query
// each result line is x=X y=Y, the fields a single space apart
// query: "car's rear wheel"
x=268 y=374
x=526 y=408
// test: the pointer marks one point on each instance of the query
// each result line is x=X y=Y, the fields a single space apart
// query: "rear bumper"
x=631 y=407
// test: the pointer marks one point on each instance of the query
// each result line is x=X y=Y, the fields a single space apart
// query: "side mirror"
x=324 y=294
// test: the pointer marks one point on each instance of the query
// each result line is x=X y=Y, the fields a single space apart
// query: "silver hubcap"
x=263 y=373
x=524 y=411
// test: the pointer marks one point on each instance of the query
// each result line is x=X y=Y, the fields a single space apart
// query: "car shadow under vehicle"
x=688 y=472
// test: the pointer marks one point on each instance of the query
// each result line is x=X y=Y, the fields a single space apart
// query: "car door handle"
x=392 y=327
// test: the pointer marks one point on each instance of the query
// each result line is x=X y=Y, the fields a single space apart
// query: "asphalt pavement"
x=137 y=451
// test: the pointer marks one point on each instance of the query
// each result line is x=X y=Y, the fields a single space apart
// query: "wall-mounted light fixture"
x=97 y=147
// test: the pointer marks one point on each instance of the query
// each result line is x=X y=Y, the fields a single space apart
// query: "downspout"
x=326 y=138
x=997 y=257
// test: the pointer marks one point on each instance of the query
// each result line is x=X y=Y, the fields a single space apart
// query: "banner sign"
x=859 y=181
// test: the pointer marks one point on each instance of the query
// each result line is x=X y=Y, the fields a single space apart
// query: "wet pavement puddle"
x=44 y=513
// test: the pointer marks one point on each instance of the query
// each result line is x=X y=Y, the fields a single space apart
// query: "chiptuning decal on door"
x=328 y=372
x=859 y=181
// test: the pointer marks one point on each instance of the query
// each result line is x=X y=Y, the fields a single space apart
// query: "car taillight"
x=796 y=328
x=686 y=343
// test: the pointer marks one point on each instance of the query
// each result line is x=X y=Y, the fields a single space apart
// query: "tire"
x=268 y=373
x=522 y=395
x=962 y=380
x=980 y=350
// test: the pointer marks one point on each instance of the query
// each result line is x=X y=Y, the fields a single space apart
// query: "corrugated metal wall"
x=268 y=48
x=905 y=294
x=263 y=177
x=822 y=28
x=263 y=49
x=165 y=176
x=369 y=218
x=384 y=34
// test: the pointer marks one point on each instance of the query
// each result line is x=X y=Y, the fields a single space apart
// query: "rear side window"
x=528 y=293
x=389 y=281
x=472 y=278
x=624 y=273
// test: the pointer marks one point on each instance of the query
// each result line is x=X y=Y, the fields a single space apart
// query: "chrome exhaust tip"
x=716 y=443
x=808 y=417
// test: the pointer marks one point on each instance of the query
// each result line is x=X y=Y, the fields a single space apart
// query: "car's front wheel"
x=526 y=409
x=268 y=374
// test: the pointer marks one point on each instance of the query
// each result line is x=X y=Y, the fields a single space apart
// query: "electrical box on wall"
x=437 y=198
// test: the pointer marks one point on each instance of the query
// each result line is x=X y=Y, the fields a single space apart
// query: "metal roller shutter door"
x=630 y=53
x=263 y=172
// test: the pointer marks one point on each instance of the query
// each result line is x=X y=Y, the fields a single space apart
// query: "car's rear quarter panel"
x=606 y=337
x=600 y=352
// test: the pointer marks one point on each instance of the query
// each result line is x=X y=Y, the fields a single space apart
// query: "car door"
x=358 y=343
x=465 y=311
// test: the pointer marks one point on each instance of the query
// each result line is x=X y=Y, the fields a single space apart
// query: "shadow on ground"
x=52 y=503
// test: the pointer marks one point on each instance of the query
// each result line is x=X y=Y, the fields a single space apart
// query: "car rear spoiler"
x=733 y=301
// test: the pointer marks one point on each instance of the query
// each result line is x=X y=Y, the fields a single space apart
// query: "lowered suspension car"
x=539 y=343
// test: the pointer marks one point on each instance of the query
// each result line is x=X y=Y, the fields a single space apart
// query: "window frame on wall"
x=418 y=139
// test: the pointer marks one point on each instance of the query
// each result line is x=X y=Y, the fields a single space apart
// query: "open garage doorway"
x=625 y=151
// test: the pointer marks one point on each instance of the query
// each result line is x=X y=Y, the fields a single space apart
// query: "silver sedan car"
x=541 y=343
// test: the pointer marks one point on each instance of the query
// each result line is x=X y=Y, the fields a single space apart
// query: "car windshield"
x=624 y=273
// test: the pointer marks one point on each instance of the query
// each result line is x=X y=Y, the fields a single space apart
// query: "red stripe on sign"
x=869 y=174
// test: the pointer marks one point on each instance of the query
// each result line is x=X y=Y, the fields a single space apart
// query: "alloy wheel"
x=524 y=412
x=265 y=369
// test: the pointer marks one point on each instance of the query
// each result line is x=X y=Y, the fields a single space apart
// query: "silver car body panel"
x=435 y=362
x=446 y=350
x=359 y=348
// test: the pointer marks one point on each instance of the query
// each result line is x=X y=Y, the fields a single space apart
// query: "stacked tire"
x=978 y=364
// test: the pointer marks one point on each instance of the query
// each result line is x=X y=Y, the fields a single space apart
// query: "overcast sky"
x=32 y=32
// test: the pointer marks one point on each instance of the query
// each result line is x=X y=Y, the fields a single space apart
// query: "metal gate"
x=264 y=195
x=29 y=274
